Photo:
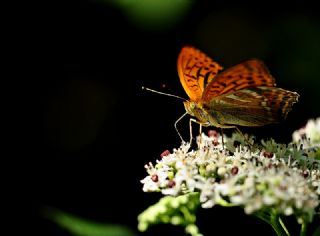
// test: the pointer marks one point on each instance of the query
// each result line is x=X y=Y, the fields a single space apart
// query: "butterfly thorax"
x=199 y=111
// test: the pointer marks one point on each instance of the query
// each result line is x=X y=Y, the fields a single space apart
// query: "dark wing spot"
x=206 y=77
x=199 y=73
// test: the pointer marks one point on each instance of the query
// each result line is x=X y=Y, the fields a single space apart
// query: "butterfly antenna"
x=167 y=94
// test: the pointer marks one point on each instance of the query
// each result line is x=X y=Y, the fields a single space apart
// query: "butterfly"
x=242 y=95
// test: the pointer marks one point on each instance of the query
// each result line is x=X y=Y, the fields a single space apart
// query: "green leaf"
x=84 y=227
x=316 y=232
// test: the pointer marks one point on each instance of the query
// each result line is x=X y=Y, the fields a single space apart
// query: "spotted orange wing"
x=196 y=70
x=249 y=74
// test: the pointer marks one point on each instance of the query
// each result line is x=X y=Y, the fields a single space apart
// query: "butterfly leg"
x=245 y=139
x=200 y=130
x=175 y=126
x=190 y=128
x=222 y=139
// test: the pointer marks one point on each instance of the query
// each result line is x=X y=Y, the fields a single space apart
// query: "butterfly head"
x=197 y=110
x=190 y=107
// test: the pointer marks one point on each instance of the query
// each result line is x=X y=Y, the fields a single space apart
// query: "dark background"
x=88 y=128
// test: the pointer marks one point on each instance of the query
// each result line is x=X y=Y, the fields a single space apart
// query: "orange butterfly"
x=243 y=95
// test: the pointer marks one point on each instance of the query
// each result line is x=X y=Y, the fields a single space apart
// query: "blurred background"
x=90 y=129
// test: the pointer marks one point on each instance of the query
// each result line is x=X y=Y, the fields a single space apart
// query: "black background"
x=88 y=128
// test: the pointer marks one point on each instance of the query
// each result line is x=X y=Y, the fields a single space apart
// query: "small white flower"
x=312 y=130
x=288 y=211
x=149 y=185
x=309 y=135
x=222 y=171
x=268 y=199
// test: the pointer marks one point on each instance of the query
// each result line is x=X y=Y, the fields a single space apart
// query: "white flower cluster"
x=308 y=135
x=285 y=179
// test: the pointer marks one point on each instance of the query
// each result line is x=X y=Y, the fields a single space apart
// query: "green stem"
x=277 y=226
x=303 y=231
x=272 y=218
x=283 y=226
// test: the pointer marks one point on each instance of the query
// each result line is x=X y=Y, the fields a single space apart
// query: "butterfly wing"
x=251 y=73
x=252 y=107
x=195 y=70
